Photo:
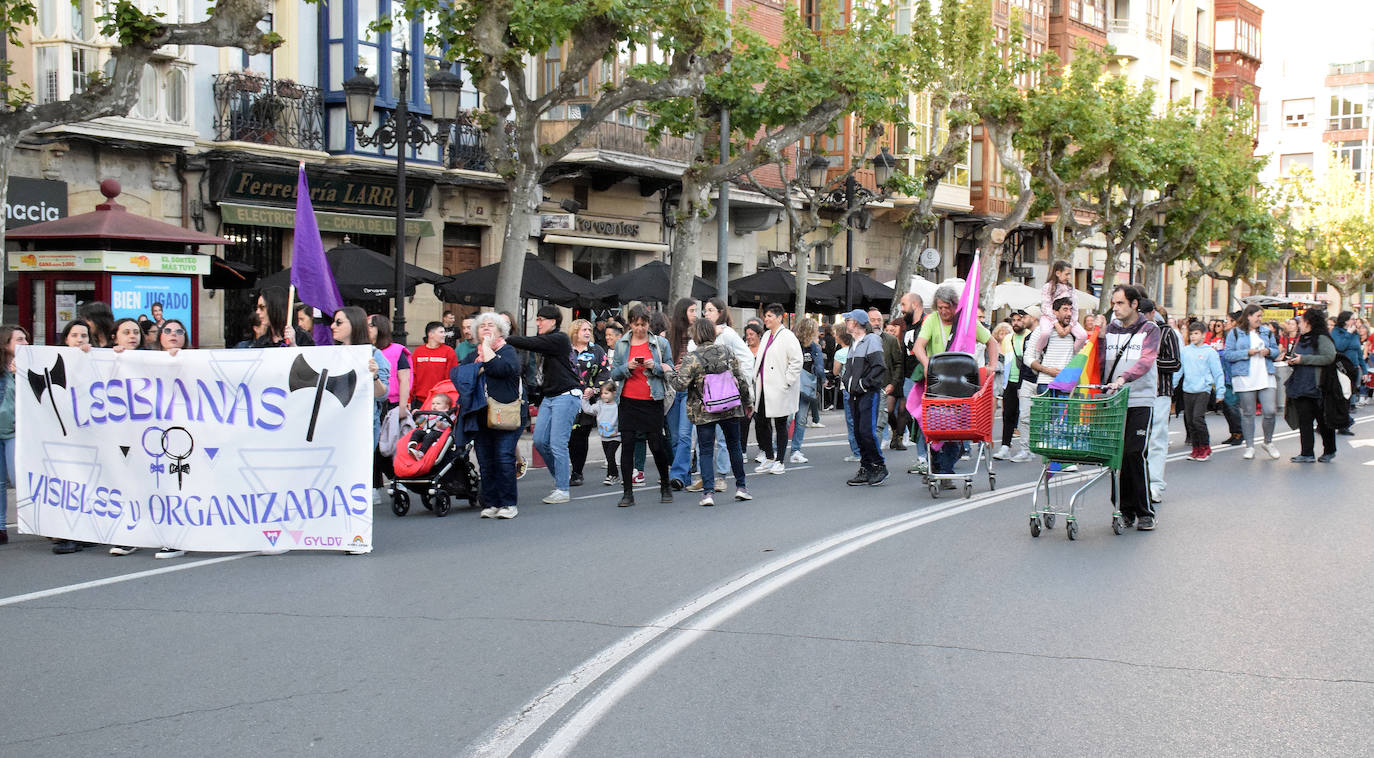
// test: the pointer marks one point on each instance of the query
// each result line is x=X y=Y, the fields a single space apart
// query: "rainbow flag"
x=1084 y=368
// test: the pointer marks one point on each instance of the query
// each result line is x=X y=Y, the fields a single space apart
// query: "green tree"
x=1291 y=200
x=1343 y=254
x=496 y=40
x=137 y=37
x=776 y=95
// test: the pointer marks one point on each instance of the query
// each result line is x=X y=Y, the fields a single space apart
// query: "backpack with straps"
x=1169 y=359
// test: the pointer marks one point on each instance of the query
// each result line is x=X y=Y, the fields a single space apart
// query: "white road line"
x=512 y=733
x=13 y=599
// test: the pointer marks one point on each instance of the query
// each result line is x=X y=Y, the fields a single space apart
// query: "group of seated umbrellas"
x=362 y=274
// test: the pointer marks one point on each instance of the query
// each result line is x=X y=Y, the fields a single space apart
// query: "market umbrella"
x=866 y=292
x=1014 y=295
x=541 y=280
x=1085 y=301
x=648 y=282
x=362 y=274
x=771 y=285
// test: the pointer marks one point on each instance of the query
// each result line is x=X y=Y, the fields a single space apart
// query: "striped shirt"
x=1057 y=354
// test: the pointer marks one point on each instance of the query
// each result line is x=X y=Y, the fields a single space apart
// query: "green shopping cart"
x=1085 y=428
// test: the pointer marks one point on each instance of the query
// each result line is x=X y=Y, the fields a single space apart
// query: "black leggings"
x=653 y=434
x=577 y=447
x=764 y=431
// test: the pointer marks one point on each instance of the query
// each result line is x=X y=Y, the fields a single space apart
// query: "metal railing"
x=268 y=112
x=1121 y=26
x=620 y=138
x=1202 y=56
x=1178 y=47
x=467 y=146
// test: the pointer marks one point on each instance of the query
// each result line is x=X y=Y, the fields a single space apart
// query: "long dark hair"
x=186 y=334
x=1343 y=318
x=6 y=334
x=1316 y=320
x=114 y=330
x=724 y=309
x=357 y=324
x=101 y=321
x=67 y=330
x=1243 y=323
x=275 y=300
x=383 y=325
x=680 y=327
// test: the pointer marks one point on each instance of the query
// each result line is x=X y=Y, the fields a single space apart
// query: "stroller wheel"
x=426 y=501
x=441 y=504
x=400 y=503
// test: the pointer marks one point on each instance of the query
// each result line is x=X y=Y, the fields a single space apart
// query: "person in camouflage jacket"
x=690 y=377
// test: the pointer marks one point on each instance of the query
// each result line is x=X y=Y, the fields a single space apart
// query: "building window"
x=1294 y=160
x=1351 y=154
x=1297 y=114
x=1348 y=108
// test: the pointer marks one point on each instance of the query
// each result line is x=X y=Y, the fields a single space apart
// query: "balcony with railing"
x=467 y=145
x=1178 y=47
x=265 y=111
x=1202 y=57
x=614 y=137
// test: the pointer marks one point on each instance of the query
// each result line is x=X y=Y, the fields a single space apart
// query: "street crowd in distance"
x=687 y=387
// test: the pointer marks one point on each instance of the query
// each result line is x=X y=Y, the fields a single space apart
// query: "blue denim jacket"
x=1237 y=352
x=620 y=365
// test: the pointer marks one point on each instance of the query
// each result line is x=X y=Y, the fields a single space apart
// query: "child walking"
x=1202 y=379
x=1060 y=284
x=607 y=415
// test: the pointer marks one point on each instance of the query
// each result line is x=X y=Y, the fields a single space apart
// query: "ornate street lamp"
x=401 y=129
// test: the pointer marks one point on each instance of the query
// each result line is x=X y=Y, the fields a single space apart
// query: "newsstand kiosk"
x=109 y=254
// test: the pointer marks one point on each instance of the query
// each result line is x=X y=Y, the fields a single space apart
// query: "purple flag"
x=966 y=329
x=310 y=273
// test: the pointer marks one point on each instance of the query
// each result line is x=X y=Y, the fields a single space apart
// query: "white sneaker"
x=1002 y=453
x=852 y=459
x=720 y=484
x=1270 y=450
x=706 y=500
x=509 y=511
x=557 y=496
x=488 y=513
x=763 y=467
x=169 y=552
x=814 y=425
x=797 y=457
x=742 y=494
x=1022 y=457
x=122 y=550
x=1249 y=453
x=777 y=468
x=760 y=458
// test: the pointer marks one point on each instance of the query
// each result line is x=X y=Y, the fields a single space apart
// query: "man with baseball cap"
x=865 y=376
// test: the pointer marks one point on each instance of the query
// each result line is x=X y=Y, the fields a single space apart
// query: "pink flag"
x=966 y=328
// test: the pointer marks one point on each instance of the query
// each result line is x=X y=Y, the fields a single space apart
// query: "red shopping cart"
x=958 y=407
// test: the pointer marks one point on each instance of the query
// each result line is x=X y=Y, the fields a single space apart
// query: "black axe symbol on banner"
x=54 y=377
x=341 y=386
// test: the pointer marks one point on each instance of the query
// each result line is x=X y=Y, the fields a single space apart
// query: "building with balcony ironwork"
x=1166 y=46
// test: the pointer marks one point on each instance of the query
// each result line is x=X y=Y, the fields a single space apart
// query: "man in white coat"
x=778 y=385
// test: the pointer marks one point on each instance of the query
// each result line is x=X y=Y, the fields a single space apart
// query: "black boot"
x=859 y=478
x=628 y=498
x=665 y=493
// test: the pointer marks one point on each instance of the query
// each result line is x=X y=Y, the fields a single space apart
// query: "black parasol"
x=542 y=280
x=362 y=274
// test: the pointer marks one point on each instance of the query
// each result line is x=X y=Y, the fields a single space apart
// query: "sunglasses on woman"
x=174 y=330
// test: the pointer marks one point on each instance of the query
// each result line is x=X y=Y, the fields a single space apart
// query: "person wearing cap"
x=864 y=377
x=1014 y=348
x=561 y=390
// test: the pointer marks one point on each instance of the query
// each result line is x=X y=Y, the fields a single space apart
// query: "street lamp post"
x=401 y=130
x=883 y=164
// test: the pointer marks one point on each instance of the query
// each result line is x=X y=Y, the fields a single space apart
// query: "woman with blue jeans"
x=1250 y=352
x=680 y=428
x=561 y=389
x=11 y=337
x=500 y=368
x=812 y=379
x=841 y=356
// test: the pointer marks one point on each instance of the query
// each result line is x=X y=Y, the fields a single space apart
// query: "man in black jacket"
x=562 y=396
x=865 y=376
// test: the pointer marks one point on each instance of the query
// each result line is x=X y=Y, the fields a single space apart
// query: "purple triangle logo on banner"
x=212 y=452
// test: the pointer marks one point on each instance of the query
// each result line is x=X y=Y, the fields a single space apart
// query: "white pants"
x=1026 y=392
x=1157 y=450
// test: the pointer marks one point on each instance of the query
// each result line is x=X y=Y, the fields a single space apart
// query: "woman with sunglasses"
x=172 y=336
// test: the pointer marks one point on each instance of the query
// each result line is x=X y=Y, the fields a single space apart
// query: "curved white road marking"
x=512 y=733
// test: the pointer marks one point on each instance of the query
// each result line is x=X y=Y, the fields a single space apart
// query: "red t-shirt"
x=636 y=386
x=430 y=366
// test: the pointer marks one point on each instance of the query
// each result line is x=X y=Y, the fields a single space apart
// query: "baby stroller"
x=444 y=472
x=958 y=407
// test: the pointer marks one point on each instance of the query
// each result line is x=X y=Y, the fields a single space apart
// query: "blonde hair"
x=576 y=326
x=1001 y=330
x=805 y=331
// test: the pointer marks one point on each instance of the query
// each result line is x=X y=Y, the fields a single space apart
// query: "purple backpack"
x=719 y=392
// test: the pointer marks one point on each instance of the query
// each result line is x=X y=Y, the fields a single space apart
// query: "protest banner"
x=204 y=450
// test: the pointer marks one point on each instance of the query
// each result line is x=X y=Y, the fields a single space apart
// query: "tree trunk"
x=989 y=263
x=522 y=200
x=1149 y=279
x=803 y=253
x=685 y=253
x=1190 y=303
x=7 y=145
x=1110 y=264
x=913 y=242
x=1274 y=280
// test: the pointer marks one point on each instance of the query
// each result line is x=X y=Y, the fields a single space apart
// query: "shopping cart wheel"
x=992 y=481
x=400 y=503
x=1117 y=526
x=968 y=490
x=1049 y=520
x=934 y=487
x=1035 y=526
x=441 y=504
x=1072 y=529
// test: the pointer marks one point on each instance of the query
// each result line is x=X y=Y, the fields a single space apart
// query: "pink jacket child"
x=1061 y=274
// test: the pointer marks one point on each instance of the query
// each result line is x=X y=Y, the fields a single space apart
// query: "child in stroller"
x=434 y=459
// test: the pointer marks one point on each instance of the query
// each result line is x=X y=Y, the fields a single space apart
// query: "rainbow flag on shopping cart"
x=1084 y=368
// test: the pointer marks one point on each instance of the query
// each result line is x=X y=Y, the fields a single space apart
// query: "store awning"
x=568 y=239
x=345 y=223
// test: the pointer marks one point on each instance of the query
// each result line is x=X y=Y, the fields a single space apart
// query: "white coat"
x=779 y=374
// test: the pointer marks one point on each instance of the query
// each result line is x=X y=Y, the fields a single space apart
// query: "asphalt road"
x=816 y=620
